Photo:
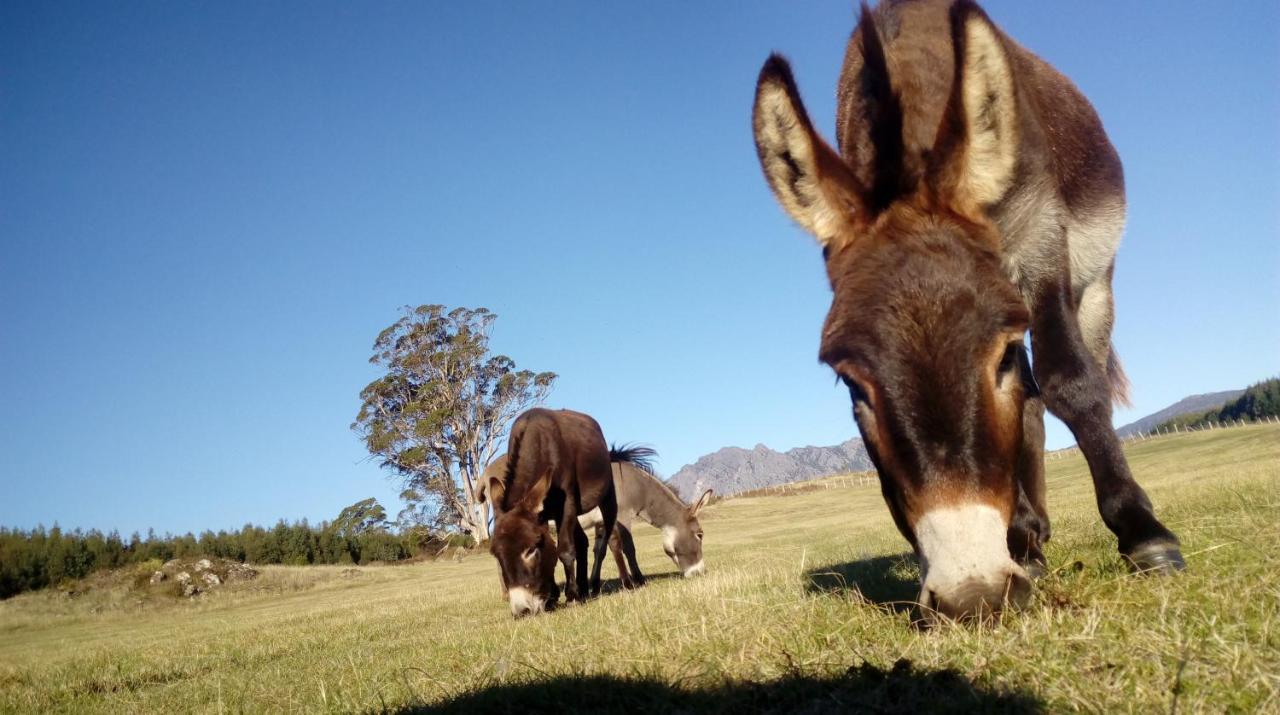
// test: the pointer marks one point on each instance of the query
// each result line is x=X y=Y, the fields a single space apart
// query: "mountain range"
x=733 y=469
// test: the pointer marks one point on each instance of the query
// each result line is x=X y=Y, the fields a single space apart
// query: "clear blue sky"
x=209 y=210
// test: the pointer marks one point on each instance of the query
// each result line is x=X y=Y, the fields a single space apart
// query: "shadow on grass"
x=613 y=585
x=889 y=581
x=864 y=688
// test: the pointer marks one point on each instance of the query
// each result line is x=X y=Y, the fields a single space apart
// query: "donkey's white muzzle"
x=964 y=562
x=524 y=603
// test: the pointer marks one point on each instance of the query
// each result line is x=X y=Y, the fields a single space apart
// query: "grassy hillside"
x=803 y=608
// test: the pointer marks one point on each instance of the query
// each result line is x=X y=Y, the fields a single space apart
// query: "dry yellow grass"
x=800 y=610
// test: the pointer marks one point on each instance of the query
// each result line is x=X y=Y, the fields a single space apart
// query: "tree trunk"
x=481 y=534
x=473 y=517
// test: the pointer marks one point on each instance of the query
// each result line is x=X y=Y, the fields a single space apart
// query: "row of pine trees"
x=1261 y=401
x=47 y=557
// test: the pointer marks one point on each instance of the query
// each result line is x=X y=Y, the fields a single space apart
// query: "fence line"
x=867 y=479
x=1167 y=432
x=859 y=479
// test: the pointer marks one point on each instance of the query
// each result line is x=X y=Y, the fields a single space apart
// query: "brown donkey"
x=557 y=468
x=975 y=197
x=638 y=494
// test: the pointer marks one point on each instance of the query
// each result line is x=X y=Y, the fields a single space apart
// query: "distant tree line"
x=46 y=557
x=1258 y=402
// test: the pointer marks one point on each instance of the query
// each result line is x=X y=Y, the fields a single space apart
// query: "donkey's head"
x=525 y=549
x=683 y=540
x=925 y=328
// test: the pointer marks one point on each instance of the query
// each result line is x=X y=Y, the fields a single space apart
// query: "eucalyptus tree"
x=441 y=409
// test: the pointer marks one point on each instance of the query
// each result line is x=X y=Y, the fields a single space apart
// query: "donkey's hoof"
x=1161 y=558
x=1035 y=570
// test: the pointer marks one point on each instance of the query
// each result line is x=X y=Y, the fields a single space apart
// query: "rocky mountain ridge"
x=733 y=469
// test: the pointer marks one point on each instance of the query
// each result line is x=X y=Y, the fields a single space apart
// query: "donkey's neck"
x=655 y=502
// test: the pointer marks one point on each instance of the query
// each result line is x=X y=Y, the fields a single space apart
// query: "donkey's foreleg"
x=598 y=549
x=567 y=545
x=582 y=548
x=615 y=546
x=609 y=516
x=1076 y=389
x=1030 y=526
x=629 y=550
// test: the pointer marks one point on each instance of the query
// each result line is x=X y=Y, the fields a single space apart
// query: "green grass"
x=802 y=610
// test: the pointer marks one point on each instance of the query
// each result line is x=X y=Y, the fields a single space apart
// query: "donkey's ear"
x=532 y=501
x=811 y=181
x=491 y=489
x=880 y=116
x=702 y=501
x=976 y=151
x=490 y=483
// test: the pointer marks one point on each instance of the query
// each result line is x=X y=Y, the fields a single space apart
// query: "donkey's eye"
x=530 y=553
x=856 y=393
x=1010 y=359
x=699 y=535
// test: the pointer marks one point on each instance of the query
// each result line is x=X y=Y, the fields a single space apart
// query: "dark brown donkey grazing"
x=975 y=197
x=639 y=494
x=557 y=468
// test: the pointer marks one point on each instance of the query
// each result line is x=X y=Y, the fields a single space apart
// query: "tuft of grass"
x=805 y=608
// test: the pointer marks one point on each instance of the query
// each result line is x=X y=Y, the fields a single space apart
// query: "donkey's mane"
x=637 y=454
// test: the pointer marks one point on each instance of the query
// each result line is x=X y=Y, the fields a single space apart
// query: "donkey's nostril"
x=1017 y=589
x=979 y=599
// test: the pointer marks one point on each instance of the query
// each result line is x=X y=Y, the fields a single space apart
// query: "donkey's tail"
x=637 y=454
x=1119 y=381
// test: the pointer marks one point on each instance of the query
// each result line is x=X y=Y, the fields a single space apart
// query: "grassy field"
x=804 y=609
